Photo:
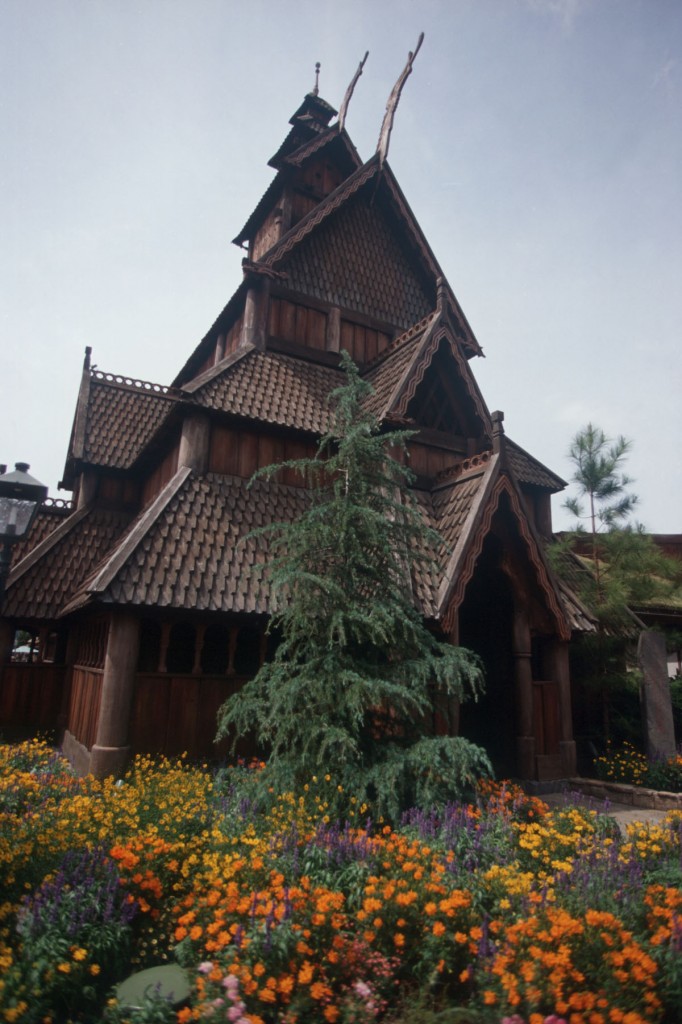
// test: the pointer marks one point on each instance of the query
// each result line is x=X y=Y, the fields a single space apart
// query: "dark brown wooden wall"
x=291 y=321
x=86 y=692
x=160 y=476
x=30 y=697
x=240 y=453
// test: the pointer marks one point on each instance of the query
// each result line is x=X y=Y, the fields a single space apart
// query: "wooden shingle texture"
x=273 y=388
x=354 y=260
x=42 y=590
x=120 y=421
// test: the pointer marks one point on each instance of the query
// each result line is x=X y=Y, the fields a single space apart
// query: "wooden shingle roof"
x=272 y=388
x=42 y=583
x=122 y=416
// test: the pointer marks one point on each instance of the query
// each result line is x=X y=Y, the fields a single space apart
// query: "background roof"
x=537 y=142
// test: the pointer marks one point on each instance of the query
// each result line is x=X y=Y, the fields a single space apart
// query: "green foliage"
x=628 y=765
x=74 y=936
x=350 y=688
x=616 y=566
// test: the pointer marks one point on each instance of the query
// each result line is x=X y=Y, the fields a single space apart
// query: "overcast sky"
x=538 y=142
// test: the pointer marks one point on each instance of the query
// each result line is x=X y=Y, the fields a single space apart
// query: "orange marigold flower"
x=305 y=974
x=438 y=928
x=489 y=997
x=399 y=940
x=330 y=1013
x=318 y=990
x=196 y=932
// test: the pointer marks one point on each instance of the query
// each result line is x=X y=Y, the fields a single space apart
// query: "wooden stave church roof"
x=140 y=411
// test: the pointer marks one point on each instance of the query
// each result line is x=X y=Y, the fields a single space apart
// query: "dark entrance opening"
x=486 y=626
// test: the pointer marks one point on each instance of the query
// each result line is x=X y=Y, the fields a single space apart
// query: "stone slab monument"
x=659 y=728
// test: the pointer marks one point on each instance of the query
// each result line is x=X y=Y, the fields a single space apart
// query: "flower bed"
x=491 y=911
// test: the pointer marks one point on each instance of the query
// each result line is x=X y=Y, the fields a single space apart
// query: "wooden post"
x=254 y=322
x=163 y=646
x=198 y=648
x=110 y=750
x=6 y=641
x=559 y=669
x=525 y=737
x=195 y=442
x=333 y=339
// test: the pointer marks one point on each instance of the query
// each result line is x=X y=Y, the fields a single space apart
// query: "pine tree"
x=351 y=684
x=622 y=566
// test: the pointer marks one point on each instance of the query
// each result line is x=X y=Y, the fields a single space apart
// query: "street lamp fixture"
x=20 y=497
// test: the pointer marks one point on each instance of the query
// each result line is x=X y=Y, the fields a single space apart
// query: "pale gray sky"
x=539 y=143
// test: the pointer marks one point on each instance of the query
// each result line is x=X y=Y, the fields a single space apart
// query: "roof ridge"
x=402 y=339
x=209 y=374
x=324 y=208
x=133 y=384
x=473 y=465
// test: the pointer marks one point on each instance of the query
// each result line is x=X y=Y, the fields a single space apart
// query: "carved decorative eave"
x=462 y=562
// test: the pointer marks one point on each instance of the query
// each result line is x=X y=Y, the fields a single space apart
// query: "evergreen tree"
x=350 y=687
x=621 y=566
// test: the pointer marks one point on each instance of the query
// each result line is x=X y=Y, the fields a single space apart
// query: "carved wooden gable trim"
x=438 y=390
x=461 y=567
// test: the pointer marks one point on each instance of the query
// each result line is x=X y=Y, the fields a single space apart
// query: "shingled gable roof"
x=311 y=118
x=383 y=183
x=40 y=585
x=398 y=372
x=193 y=550
x=109 y=563
x=463 y=514
x=115 y=419
x=331 y=139
x=269 y=387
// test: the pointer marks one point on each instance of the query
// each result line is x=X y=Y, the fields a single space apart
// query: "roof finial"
x=387 y=124
x=349 y=92
x=316 y=90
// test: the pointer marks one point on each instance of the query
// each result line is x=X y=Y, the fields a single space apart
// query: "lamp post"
x=20 y=497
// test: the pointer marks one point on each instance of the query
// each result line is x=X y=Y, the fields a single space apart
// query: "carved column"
x=110 y=751
x=525 y=736
x=560 y=672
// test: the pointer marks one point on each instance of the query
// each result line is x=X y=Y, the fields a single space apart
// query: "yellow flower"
x=64 y=968
x=80 y=953
x=95 y=969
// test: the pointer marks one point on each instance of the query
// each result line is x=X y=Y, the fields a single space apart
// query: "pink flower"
x=235 y=1012
x=362 y=989
x=205 y=968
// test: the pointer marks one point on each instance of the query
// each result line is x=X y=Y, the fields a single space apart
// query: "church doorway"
x=486 y=627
